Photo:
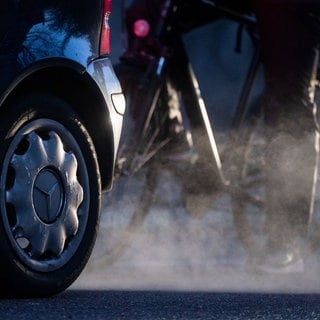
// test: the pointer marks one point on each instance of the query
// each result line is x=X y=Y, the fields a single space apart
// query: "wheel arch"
x=80 y=91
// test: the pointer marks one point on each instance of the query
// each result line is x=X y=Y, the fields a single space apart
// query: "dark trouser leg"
x=289 y=54
x=290 y=166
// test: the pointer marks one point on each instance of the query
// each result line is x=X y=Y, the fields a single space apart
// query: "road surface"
x=159 y=305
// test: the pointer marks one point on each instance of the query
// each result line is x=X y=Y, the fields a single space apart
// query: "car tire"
x=50 y=196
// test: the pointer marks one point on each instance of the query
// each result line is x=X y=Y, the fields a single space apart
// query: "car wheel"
x=49 y=196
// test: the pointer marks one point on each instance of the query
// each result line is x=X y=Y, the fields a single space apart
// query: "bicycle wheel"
x=132 y=196
x=124 y=210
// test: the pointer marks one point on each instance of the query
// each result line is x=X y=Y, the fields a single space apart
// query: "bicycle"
x=147 y=74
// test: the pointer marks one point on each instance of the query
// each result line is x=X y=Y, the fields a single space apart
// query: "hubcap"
x=44 y=195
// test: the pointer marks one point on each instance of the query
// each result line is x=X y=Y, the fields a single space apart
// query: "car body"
x=61 y=110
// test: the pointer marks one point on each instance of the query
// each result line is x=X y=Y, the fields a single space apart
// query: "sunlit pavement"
x=174 y=251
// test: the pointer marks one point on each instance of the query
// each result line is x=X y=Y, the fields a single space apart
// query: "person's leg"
x=289 y=57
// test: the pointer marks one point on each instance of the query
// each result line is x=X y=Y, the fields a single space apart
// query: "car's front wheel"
x=49 y=196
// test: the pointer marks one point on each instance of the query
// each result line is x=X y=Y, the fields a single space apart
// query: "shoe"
x=279 y=262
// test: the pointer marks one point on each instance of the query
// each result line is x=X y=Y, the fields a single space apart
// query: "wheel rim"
x=44 y=192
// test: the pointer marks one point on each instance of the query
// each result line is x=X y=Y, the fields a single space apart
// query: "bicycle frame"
x=173 y=60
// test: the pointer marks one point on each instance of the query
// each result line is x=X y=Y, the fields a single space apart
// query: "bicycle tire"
x=133 y=192
x=124 y=218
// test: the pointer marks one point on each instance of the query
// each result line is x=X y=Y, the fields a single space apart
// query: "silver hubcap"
x=46 y=203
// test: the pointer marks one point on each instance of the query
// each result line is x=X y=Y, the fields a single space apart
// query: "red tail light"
x=141 y=28
x=105 y=28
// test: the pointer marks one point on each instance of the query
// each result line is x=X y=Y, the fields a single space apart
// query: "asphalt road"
x=154 y=305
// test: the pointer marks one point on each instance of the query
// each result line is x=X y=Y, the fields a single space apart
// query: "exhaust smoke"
x=173 y=250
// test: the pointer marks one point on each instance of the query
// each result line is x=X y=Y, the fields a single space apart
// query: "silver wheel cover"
x=44 y=195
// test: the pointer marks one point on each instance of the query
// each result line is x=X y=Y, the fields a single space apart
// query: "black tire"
x=50 y=196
